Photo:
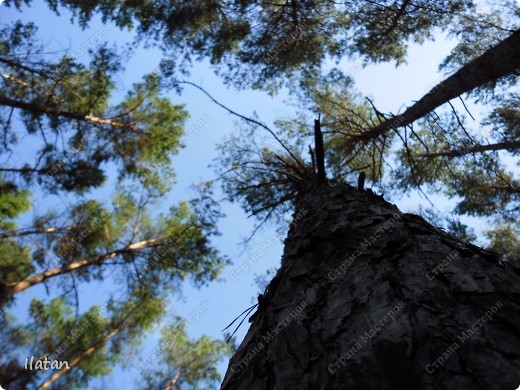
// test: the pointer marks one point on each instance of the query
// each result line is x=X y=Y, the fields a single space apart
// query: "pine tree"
x=362 y=286
x=70 y=101
x=255 y=43
x=90 y=344
x=59 y=112
x=182 y=361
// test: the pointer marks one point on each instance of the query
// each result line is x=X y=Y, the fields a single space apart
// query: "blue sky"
x=391 y=89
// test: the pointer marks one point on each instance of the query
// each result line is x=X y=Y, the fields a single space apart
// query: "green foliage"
x=146 y=151
x=346 y=116
x=15 y=338
x=15 y=262
x=504 y=239
x=185 y=361
x=478 y=182
x=261 y=177
x=169 y=247
x=258 y=42
x=383 y=29
x=184 y=250
x=90 y=343
x=504 y=120
x=13 y=202
x=61 y=112
x=77 y=134
x=92 y=230
x=71 y=101
x=54 y=332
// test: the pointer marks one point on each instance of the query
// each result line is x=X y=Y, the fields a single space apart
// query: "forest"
x=260 y=194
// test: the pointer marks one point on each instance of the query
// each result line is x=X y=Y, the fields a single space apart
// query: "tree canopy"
x=65 y=131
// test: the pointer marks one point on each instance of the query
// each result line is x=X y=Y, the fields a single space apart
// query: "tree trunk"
x=368 y=297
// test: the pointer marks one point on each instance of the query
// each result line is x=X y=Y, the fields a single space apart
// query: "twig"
x=251 y=120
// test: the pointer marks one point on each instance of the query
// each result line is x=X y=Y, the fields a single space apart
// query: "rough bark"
x=368 y=297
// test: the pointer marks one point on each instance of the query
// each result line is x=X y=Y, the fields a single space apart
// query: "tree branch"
x=499 y=61
x=507 y=145
x=16 y=287
x=52 y=111
x=21 y=233
x=297 y=160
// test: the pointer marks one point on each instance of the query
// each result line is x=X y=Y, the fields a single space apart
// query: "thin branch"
x=411 y=164
x=466 y=108
x=507 y=145
x=460 y=123
x=257 y=228
x=23 y=232
x=174 y=380
x=297 y=160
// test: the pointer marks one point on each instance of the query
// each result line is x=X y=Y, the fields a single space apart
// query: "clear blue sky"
x=390 y=88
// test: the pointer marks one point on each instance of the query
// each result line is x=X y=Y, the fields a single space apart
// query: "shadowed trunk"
x=368 y=297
